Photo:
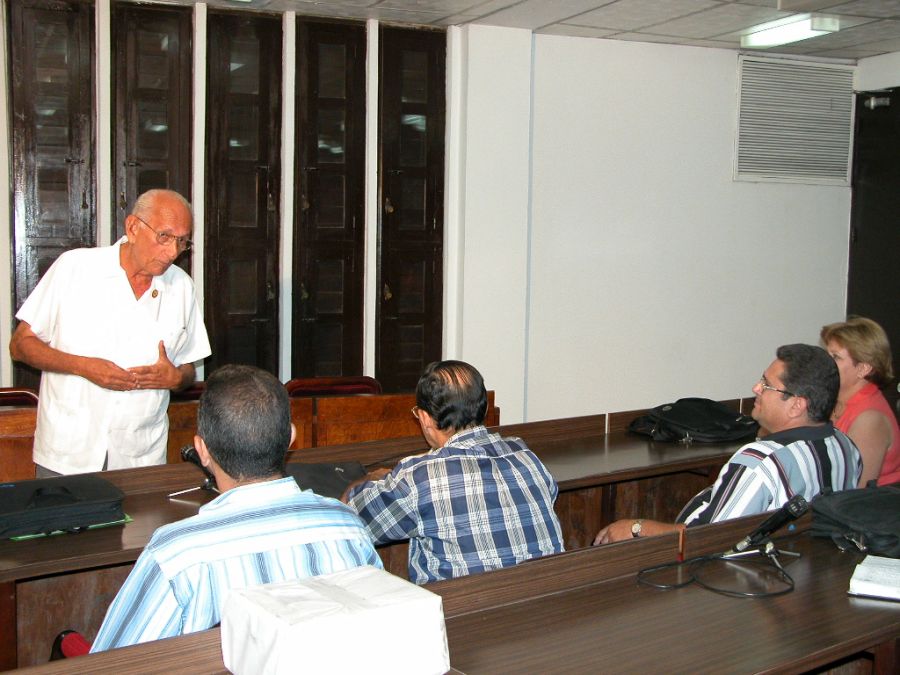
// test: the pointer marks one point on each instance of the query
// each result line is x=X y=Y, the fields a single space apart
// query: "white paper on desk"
x=877 y=577
x=346 y=622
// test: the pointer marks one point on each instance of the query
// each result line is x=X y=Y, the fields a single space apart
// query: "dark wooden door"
x=242 y=189
x=53 y=140
x=410 y=288
x=873 y=287
x=329 y=244
x=153 y=104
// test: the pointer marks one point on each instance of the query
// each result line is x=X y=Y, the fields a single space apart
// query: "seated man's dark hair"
x=811 y=373
x=453 y=393
x=244 y=418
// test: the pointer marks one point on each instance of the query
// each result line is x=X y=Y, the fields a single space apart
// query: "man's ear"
x=293 y=434
x=799 y=406
x=426 y=420
x=202 y=451
x=131 y=223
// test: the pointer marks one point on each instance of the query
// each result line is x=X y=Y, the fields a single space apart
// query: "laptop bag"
x=66 y=503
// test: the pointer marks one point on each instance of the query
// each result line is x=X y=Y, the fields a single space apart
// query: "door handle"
x=386 y=293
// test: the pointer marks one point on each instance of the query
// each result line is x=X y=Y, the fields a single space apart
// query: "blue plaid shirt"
x=251 y=535
x=479 y=503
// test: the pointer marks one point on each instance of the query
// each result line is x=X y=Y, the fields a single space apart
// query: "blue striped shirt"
x=764 y=475
x=251 y=535
x=479 y=503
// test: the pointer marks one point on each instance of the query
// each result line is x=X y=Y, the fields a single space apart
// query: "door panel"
x=329 y=242
x=409 y=312
x=53 y=137
x=153 y=105
x=873 y=286
x=244 y=127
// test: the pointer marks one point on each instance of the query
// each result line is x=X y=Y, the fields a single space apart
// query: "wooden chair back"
x=18 y=396
x=183 y=425
x=16 y=443
x=182 y=428
x=332 y=386
x=302 y=417
x=352 y=419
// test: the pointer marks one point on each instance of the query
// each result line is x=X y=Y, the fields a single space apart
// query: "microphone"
x=792 y=510
x=189 y=454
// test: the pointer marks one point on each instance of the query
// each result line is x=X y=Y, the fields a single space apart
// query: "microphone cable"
x=694 y=567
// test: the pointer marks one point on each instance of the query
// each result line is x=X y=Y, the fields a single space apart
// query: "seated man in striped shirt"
x=801 y=455
x=476 y=502
x=262 y=528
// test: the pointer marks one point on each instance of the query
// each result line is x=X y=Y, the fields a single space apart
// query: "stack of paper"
x=877 y=577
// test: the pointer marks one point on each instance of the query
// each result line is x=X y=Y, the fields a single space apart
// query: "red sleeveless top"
x=870 y=398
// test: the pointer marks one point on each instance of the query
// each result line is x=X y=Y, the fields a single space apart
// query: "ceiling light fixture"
x=791 y=29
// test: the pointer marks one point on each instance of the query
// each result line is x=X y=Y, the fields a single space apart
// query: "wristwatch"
x=636 y=528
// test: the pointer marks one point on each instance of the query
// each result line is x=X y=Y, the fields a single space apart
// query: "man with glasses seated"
x=475 y=502
x=114 y=330
x=801 y=454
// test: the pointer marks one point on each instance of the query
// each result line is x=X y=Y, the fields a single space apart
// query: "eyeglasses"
x=765 y=385
x=164 y=238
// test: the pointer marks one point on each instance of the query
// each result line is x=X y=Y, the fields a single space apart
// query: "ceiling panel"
x=706 y=23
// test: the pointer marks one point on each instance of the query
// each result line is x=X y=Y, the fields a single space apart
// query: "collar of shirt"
x=789 y=436
x=467 y=434
x=114 y=269
x=112 y=266
x=469 y=437
x=254 y=493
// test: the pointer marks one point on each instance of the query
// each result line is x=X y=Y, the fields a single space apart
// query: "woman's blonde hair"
x=866 y=342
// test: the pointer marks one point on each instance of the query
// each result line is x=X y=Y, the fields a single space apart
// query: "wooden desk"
x=597 y=620
x=601 y=477
x=597 y=475
x=616 y=626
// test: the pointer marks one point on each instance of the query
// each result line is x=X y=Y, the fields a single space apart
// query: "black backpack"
x=694 y=419
x=866 y=519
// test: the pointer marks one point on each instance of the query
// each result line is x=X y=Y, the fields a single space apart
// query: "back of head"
x=811 y=373
x=453 y=393
x=244 y=418
x=866 y=342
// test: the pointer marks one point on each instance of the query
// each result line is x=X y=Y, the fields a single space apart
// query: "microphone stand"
x=188 y=454
x=764 y=548
x=208 y=484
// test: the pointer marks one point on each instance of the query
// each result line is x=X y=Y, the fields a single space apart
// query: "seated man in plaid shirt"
x=476 y=502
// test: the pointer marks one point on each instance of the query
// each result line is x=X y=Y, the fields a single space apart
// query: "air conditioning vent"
x=795 y=121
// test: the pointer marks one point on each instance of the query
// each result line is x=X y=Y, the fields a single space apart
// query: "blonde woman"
x=860 y=348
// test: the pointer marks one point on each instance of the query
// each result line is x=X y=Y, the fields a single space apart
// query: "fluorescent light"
x=791 y=29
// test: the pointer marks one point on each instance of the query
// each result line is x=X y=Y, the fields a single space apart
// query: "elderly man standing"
x=114 y=330
x=802 y=454
x=476 y=502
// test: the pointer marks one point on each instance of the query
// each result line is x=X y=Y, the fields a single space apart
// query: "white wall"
x=878 y=72
x=493 y=226
x=653 y=274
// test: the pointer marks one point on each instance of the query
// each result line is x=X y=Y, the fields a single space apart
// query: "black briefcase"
x=65 y=503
